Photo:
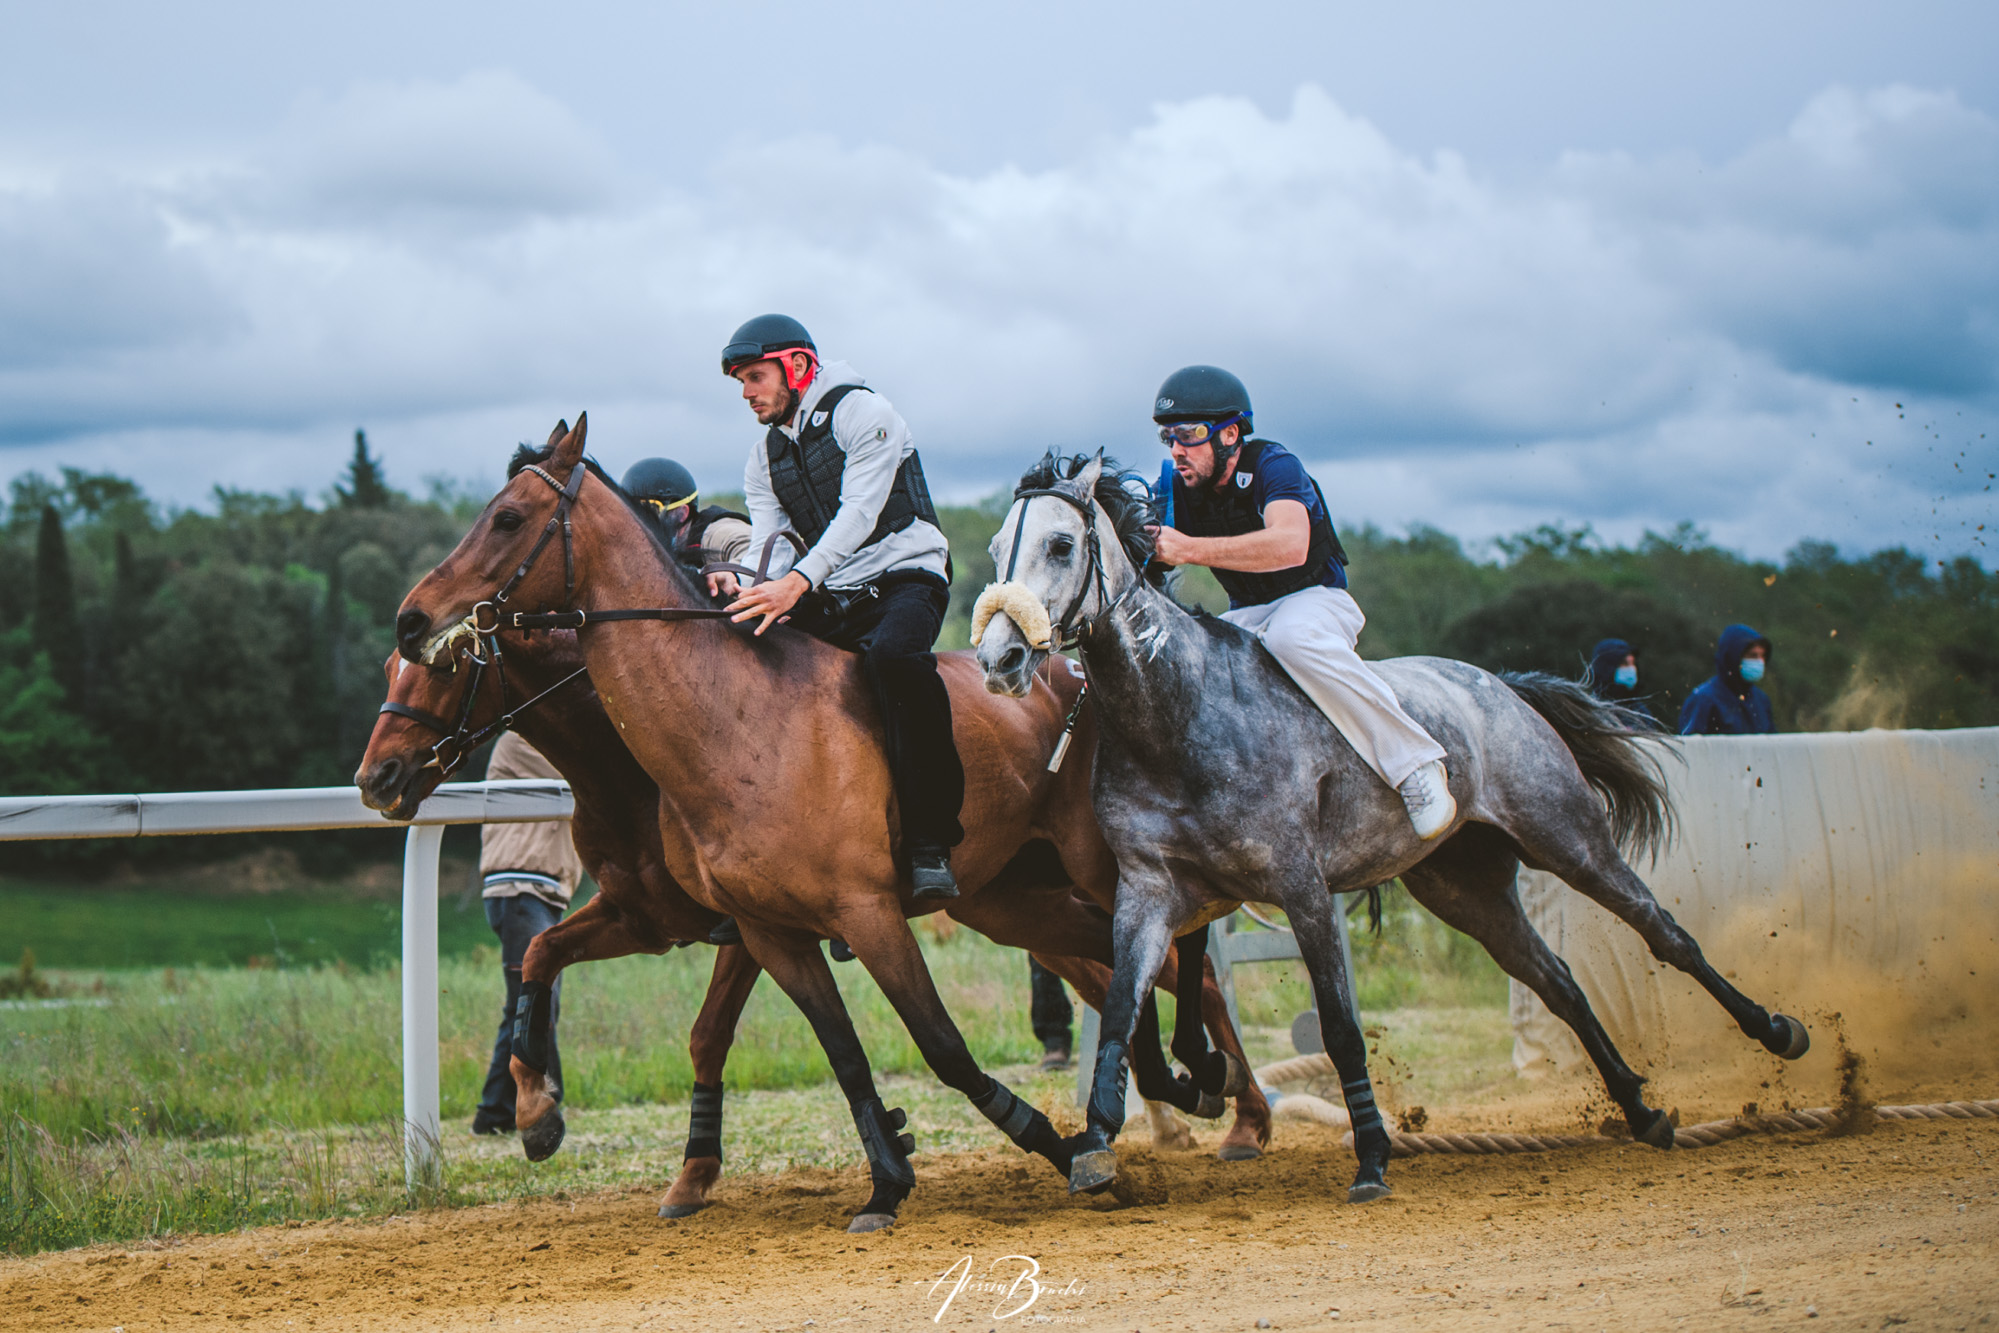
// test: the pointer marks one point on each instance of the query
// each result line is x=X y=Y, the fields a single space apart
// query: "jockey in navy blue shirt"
x=1728 y=702
x=1246 y=508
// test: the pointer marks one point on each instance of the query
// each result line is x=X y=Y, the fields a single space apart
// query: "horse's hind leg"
x=1586 y=859
x=800 y=970
x=1310 y=909
x=1468 y=884
x=708 y=1042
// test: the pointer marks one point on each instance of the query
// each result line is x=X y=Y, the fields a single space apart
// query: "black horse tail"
x=1617 y=752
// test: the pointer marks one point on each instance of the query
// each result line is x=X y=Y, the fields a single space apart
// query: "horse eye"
x=506 y=520
x=1060 y=546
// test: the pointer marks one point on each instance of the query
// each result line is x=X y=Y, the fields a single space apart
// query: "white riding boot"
x=1426 y=794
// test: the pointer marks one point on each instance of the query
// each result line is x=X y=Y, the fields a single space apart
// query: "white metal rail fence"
x=27 y=818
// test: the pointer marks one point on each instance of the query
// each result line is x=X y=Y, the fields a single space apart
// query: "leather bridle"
x=1068 y=631
x=487 y=620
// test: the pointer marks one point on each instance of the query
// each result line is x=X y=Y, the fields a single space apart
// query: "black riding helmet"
x=1206 y=394
x=660 y=482
x=764 y=337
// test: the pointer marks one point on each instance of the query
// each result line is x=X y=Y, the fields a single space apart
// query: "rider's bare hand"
x=1172 y=546
x=723 y=584
x=770 y=600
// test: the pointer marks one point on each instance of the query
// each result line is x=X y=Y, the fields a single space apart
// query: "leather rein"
x=485 y=629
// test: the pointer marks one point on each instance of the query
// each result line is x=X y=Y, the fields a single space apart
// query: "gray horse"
x=1218 y=781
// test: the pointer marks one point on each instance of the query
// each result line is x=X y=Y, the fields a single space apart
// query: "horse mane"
x=1124 y=495
x=677 y=567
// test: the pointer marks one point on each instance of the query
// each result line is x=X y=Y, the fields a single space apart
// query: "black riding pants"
x=1048 y=1007
x=894 y=629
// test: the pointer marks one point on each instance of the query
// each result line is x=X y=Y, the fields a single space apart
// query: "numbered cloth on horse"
x=1856 y=872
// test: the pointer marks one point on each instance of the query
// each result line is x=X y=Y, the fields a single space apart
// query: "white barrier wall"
x=1848 y=874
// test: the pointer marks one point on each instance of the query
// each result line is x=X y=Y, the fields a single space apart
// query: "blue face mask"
x=1626 y=675
x=1751 y=669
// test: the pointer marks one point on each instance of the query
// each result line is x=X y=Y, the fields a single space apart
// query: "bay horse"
x=774 y=798
x=1218 y=781
x=436 y=717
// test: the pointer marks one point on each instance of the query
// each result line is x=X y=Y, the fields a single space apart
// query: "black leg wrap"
x=531 y=1024
x=1106 y=1110
x=704 y=1123
x=888 y=1154
x=1027 y=1127
x=1370 y=1143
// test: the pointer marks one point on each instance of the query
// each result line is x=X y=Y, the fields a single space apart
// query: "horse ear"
x=570 y=452
x=1086 y=478
x=555 y=436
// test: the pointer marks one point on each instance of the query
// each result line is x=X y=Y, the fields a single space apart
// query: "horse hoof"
x=1659 y=1133
x=1239 y=1152
x=1788 y=1037
x=680 y=1210
x=540 y=1140
x=1368 y=1192
x=863 y=1223
x=1092 y=1172
x=1209 y=1106
x=1236 y=1082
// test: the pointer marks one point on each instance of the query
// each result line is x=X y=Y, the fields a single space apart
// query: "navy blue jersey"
x=1265 y=471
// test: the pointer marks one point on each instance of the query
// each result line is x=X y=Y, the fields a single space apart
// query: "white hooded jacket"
x=876 y=440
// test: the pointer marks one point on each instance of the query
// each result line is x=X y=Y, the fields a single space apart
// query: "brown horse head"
x=491 y=556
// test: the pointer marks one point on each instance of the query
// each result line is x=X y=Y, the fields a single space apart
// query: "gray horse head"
x=1070 y=545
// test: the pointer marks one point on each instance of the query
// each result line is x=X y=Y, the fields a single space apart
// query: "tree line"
x=240 y=645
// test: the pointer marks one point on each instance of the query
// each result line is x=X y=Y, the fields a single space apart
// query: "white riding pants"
x=1312 y=634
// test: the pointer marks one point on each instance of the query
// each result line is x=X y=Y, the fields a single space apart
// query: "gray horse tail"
x=1610 y=747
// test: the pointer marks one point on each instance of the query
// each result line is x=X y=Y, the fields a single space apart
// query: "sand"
x=1898 y=1226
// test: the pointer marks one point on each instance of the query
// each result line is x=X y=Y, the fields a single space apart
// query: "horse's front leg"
x=708 y=1043
x=598 y=929
x=799 y=968
x=881 y=939
x=1142 y=929
x=1250 y=1134
x=1310 y=909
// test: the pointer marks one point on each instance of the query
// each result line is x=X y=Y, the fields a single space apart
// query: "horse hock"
x=888 y=1163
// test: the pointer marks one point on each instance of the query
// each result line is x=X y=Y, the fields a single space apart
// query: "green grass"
x=230 y=916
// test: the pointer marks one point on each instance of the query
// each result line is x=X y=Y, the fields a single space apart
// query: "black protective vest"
x=806 y=474
x=1231 y=512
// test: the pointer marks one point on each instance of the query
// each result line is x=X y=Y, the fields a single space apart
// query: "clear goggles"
x=1190 y=433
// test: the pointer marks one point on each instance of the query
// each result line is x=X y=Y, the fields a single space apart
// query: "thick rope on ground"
x=1693 y=1136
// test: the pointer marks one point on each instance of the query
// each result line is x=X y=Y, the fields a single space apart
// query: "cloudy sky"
x=1730 y=263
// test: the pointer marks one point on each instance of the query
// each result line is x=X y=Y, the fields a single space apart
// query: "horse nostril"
x=1013 y=659
x=411 y=627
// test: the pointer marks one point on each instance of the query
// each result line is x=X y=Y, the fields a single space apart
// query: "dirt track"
x=1900 y=1226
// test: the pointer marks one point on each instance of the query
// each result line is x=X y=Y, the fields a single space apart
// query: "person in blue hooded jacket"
x=1613 y=676
x=1728 y=702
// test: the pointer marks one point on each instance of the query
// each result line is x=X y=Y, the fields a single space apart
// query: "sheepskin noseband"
x=1017 y=604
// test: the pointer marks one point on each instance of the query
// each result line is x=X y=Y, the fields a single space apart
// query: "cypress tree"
x=56 y=629
x=365 y=488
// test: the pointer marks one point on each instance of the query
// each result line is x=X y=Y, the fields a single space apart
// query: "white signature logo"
x=1015 y=1296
